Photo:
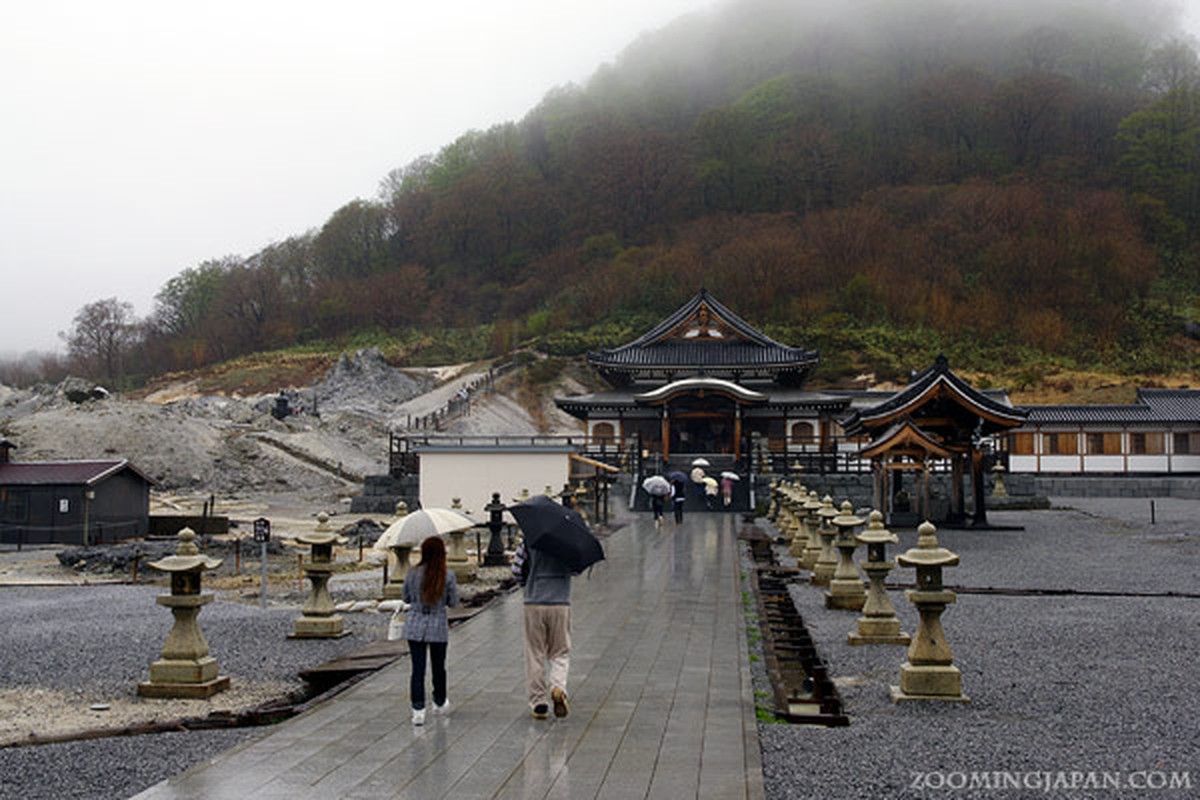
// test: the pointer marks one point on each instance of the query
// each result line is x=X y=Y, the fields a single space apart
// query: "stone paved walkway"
x=661 y=699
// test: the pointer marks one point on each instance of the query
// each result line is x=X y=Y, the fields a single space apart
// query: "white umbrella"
x=658 y=485
x=698 y=475
x=412 y=529
x=700 y=462
x=733 y=476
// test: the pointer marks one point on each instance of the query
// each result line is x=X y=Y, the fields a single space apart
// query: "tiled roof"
x=1152 y=406
x=57 y=473
x=578 y=405
x=752 y=349
x=724 y=355
x=923 y=383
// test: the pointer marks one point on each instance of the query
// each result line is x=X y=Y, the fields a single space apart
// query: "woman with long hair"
x=429 y=589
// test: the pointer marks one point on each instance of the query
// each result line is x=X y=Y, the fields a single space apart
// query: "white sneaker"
x=418 y=716
x=443 y=709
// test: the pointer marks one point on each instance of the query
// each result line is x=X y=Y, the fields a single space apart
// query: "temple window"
x=1146 y=444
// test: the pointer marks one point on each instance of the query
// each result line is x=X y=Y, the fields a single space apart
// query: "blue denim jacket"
x=424 y=623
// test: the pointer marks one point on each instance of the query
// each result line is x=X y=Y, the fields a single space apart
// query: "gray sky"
x=141 y=137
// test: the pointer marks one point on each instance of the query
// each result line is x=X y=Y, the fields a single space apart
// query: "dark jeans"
x=679 y=511
x=417 y=685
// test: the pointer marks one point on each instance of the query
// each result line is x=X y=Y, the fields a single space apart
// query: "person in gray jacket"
x=429 y=588
x=547 y=582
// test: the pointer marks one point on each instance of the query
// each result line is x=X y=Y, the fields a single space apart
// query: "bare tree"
x=99 y=336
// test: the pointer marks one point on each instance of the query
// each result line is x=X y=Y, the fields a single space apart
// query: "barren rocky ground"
x=231 y=450
x=231 y=446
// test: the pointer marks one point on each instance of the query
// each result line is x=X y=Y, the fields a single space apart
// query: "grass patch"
x=767 y=716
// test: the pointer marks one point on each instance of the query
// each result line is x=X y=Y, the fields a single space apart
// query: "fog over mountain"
x=138 y=154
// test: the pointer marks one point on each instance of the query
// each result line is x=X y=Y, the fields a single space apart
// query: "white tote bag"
x=396 y=626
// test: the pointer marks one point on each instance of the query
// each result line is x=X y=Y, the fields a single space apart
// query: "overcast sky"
x=140 y=137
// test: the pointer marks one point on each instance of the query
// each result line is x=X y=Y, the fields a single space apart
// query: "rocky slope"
x=233 y=446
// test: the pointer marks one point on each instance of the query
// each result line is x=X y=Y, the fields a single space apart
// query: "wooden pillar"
x=958 y=508
x=666 y=434
x=980 y=517
x=877 y=495
x=737 y=431
x=926 y=511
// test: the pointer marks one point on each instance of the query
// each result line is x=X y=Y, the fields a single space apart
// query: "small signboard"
x=262 y=530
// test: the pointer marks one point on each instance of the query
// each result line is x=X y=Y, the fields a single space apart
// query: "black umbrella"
x=677 y=476
x=559 y=531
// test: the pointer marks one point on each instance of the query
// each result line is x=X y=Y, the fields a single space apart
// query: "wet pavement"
x=660 y=689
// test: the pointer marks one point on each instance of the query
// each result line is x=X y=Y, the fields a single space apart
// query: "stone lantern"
x=456 y=550
x=318 y=619
x=846 y=589
x=878 y=624
x=826 y=565
x=929 y=673
x=998 y=488
x=799 y=527
x=812 y=547
x=185 y=668
x=783 y=517
x=495 y=550
x=399 y=552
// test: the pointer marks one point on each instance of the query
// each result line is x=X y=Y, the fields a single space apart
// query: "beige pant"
x=547 y=638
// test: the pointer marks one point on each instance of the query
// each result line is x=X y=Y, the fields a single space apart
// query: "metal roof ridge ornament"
x=701 y=383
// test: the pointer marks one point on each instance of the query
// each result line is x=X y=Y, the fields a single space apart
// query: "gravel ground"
x=68 y=648
x=1058 y=684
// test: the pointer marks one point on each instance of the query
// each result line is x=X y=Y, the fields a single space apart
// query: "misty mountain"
x=880 y=177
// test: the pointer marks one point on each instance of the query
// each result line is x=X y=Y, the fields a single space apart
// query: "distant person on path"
x=678 y=498
x=727 y=490
x=547 y=584
x=657 y=503
x=429 y=589
x=710 y=493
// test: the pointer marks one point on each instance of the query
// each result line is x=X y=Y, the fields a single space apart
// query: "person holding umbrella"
x=658 y=488
x=429 y=588
x=679 y=495
x=727 y=479
x=558 y=544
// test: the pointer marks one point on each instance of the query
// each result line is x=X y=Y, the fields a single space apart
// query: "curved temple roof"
x=689 y=385
x=704 y=336
x=936 y=381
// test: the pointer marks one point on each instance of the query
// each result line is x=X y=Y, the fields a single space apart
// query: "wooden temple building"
x=704 y=382
x=938 y=417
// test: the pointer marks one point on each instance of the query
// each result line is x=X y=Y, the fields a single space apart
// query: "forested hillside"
x=881 y=180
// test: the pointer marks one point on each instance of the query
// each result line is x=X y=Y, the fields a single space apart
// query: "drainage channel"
x=804 y=692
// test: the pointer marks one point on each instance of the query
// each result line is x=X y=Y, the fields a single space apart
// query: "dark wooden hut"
x=71 y=502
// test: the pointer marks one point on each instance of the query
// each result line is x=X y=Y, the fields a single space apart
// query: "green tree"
x=1161 y=158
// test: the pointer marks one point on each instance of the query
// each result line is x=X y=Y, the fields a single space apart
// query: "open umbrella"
x=733 y=476
x=412 y=529
x=677 y=476
x=657 y=485
x=700 y=462
x=710 y=482
x=559 y=531
x=698 y=475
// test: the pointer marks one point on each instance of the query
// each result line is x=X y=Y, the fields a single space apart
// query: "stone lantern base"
x=330 y=627
x=929 y=682
x=464 y=571
x=878 y=630
x=178 y=678
x=845 y=595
